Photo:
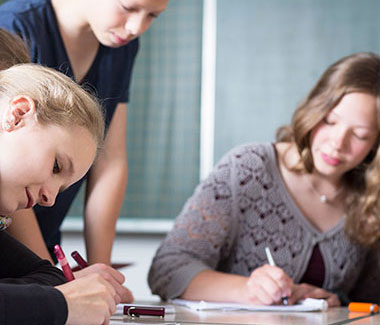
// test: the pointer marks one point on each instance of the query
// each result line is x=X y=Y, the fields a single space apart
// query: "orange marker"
x=363 y=307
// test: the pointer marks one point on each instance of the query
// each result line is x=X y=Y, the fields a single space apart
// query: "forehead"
x=357 y=109
x=151 y=5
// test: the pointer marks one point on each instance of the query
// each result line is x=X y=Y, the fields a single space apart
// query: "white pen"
x=272 y=263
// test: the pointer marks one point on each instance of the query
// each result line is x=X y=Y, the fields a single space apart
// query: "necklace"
x=323 y=197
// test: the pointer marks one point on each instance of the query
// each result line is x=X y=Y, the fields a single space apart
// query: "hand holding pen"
x=272 y=263
x=267 y=285
x=115 y=277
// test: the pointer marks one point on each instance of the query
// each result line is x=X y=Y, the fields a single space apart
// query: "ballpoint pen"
x=272 y=263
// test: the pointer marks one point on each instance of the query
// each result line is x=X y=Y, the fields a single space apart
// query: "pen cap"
x=363 y=307
x=59 y=252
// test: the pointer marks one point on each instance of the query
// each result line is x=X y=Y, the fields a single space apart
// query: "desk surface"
x=184 y=315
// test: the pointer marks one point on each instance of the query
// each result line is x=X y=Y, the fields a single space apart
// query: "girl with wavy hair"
x=312 y=197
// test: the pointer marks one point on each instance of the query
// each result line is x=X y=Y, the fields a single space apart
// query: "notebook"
x=307 y=304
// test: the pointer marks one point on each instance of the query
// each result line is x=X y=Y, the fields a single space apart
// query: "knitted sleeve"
x=201 y=236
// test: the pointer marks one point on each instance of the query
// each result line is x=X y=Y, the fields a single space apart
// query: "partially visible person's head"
x=12 y=50
x=344 y=107
x=50 y=129
x=116 y=22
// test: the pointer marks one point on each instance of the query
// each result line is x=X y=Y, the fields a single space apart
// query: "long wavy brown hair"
x=355 y=73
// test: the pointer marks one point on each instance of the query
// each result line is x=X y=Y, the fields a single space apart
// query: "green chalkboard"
x=271 y=52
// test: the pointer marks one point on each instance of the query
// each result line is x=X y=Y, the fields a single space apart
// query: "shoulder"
x=22 y=8
x=251 y=154
x=23 y=16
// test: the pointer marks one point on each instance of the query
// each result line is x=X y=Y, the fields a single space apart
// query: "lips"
x=119 y=40
x=330 y=160
x=30 y=200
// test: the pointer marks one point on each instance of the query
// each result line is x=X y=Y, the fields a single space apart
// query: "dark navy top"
x=108 y=78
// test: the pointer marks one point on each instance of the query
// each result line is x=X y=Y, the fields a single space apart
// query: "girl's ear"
x=20 y=109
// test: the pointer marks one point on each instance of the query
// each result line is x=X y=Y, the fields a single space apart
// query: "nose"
x=136 y=24
x=340 y=139
x=47 y=196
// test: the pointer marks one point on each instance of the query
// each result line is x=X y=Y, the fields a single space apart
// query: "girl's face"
x=346 y=135
x=36 y=162
x=117 y=22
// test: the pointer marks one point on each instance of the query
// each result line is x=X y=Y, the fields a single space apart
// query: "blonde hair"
x=59 y=100
x=12 y=50
x=355 y=73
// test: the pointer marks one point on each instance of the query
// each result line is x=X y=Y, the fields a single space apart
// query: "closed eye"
x=128 y=9
x=361 y=137
x=328 y=122
x=56 y=167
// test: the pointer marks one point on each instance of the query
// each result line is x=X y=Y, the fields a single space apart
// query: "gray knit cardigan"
x=239 y=209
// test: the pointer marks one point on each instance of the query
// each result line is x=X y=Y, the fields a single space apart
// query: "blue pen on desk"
x=271 y=263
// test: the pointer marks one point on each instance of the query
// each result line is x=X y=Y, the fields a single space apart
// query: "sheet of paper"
x=307 y=304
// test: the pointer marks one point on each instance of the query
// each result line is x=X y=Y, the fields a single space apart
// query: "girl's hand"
x=267 y=285
x=114 y=277
x=304 y=290
x=90 y=300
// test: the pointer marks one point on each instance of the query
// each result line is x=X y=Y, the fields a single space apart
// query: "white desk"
x=184 y=315
x=375 y=319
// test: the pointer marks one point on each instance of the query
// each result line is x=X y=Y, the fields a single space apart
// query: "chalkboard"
x=271 y=52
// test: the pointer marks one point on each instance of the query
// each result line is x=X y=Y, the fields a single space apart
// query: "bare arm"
x=25 y=229
x=105 y=190
x=265 y=286
x=215 y=286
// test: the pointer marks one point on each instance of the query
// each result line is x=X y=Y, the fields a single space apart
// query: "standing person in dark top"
x=312 y=197
x=95 y=43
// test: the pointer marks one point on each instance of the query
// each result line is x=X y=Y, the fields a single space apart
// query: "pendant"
x=323 y=198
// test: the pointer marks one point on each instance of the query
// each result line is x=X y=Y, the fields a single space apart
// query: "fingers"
x=127 y=296
x=114 y=277
x=90 y=300
x=333 y=301
x=304 y=290
x=260 y=296
x=104 y=270
x=268 y=284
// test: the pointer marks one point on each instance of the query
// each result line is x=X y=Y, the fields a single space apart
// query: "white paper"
x=307 y=304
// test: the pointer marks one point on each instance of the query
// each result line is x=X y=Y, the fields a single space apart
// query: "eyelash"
x=327 y=122
x=360 y=137
x=132 y=10
x=127 y=9
x=56 y=167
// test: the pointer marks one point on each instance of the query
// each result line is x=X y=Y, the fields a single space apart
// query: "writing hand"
x=114 y=277
x=267 y=285
x=90 y=300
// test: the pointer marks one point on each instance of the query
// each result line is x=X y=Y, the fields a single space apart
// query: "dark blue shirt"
x=108 y=78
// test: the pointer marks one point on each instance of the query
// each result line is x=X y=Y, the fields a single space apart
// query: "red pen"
x=63 y=262
x=79 y=259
